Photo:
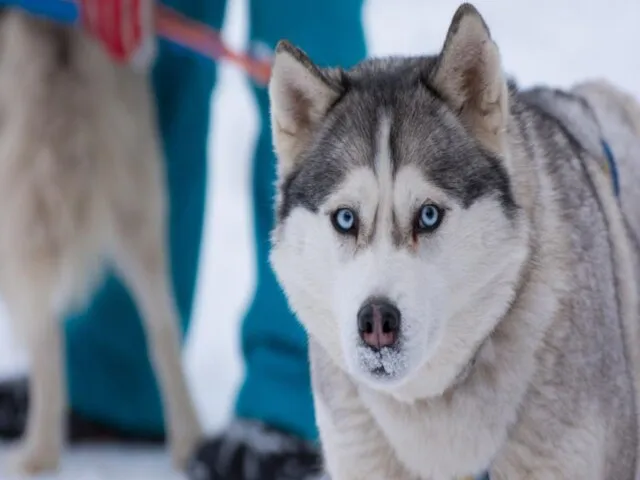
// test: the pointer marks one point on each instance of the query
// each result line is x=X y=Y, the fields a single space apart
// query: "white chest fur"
x=435 y=439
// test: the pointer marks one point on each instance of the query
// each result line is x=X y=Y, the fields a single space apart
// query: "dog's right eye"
x=345 y=221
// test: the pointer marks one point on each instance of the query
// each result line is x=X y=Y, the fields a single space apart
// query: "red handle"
x=122 y=26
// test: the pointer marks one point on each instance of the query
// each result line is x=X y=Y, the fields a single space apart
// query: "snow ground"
x=550 y=41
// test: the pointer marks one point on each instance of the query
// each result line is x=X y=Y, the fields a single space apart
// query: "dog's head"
x=398 y=240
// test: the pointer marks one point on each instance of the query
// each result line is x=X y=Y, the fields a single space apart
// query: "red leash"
x=208 y=42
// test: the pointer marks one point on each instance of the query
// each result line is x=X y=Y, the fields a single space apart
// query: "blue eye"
x=429 y=217
x=344 y=220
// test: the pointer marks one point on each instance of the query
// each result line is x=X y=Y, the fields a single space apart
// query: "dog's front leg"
x=354 y=447
x=42 y=442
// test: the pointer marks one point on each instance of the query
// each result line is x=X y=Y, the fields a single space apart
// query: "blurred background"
x=542 y=41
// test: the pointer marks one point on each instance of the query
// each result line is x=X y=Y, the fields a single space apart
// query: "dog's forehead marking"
x=419 y=130
x=383 y=161
x=386 y=225
x=383 y=166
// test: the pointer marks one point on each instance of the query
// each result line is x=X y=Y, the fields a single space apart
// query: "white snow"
x=550 y=41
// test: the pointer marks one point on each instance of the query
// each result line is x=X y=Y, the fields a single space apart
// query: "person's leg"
x=110 y=377
x=274 y=343
x=276 y=390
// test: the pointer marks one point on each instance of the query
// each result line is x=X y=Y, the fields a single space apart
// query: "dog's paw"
x=183 y=447
x=29 y=460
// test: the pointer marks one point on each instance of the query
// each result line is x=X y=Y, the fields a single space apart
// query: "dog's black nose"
x=379 y=323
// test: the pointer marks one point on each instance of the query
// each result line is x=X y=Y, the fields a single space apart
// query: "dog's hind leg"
x=41 y=445
x=141 y=260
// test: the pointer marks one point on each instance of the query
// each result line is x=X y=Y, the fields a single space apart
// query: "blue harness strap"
x=612 y=167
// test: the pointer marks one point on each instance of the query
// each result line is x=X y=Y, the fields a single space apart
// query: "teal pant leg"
x=277 y=387
x=110 y=376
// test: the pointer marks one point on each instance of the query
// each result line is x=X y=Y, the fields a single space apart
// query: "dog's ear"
x=300 y=94
x=469 y=76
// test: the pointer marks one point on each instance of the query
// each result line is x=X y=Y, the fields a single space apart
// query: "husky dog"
x=82 y=182
x=459 y=256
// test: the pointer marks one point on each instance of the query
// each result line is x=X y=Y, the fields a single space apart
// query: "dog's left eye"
x=345 y=220
x=429 y=218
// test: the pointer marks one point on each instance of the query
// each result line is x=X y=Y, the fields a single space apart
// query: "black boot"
x=14 y=405
x=250 y=450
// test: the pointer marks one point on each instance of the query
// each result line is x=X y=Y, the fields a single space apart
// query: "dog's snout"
x=379 y=323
